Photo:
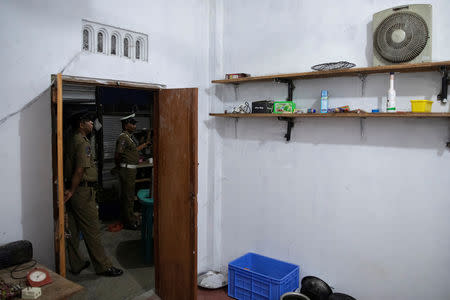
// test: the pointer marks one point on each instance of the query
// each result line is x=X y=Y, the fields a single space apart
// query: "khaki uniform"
x=127 y=149
x=81 y=208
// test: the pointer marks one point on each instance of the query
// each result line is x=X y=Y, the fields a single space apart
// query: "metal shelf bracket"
x=363 y=78
x=444 y=87
x=236 y=91
x=362 y=124
x=290 y=121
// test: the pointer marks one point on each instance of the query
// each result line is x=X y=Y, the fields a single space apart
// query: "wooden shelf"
x=338 y=115
x=441 y=66
x=400 y=68
x=142 y=180
x=144 y=165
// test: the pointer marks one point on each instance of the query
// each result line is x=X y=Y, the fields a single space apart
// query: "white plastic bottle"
x=390 y=104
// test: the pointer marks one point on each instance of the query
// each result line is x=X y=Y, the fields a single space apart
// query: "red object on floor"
x=218 y=294
x=115 y=227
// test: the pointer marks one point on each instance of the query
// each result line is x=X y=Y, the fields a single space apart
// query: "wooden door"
x=58 y=179
x=176 y=193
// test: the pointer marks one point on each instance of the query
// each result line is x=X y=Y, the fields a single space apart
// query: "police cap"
x=129 y=119
x=81 y=116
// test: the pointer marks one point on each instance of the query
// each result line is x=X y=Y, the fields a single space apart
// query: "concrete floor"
x=125 y=250
x=138 y=281
x=218 y=294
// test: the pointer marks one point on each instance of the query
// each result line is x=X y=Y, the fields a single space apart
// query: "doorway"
x=169 y=119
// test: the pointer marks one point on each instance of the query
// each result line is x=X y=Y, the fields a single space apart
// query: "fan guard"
x=401 y=37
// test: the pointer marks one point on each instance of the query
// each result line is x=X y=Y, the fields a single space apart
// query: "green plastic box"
x=283 y=107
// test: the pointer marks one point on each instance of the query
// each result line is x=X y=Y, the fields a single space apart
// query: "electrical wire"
x=243 y=108
x=4 y=119
x=15 y=269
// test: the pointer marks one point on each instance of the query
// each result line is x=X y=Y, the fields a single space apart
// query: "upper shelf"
x=401 y=68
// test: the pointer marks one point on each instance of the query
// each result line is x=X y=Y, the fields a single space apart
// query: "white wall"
x=370 y=215
x=39 y=38
x=367 y=214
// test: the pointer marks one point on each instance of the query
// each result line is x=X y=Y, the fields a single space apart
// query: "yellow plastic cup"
x=421 y=106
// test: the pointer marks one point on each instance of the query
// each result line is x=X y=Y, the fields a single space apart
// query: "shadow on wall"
x=411 y=133
x=36 y=177
x=369 y=46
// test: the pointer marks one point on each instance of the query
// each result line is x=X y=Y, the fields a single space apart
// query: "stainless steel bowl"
x=294 y=296
x=202 y=276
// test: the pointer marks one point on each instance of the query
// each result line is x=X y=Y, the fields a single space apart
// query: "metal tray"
x=202 y=276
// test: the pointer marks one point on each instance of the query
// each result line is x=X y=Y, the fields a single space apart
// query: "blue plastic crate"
x=257 y=277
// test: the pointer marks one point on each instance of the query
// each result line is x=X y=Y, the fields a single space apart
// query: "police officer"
x=127 y=158
x=82 y=212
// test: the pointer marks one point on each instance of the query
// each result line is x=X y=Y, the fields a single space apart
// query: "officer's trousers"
x=127 y=185
x=83 y=216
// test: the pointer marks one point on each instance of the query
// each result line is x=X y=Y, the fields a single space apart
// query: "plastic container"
x=282 y=107
x=324 y=101
x=421 y=105
x=390 y=100
x=147 y=223
x=254 y=276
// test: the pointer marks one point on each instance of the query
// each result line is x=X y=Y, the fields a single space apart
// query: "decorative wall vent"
x=111 y=40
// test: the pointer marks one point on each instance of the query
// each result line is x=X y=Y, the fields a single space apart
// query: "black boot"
x=111 y=272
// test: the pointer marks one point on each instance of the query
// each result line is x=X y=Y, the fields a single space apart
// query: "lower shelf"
x=338 y=115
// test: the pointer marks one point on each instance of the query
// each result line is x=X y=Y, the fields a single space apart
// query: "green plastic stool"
x=147 y=223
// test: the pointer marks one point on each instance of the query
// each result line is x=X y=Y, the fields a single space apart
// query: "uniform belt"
x=88 y=183
x=129 y=166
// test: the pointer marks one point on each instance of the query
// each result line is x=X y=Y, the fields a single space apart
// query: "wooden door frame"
x=56 y=110
x=58 y=192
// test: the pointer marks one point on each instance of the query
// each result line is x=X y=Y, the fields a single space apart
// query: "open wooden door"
x=58 y=179
x=176 y=194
